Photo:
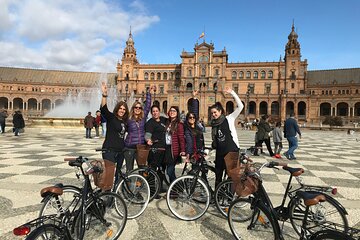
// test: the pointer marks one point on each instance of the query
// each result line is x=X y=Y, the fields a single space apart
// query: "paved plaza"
x=35 y=160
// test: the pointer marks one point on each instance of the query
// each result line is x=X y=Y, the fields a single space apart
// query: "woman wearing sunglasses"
x=136 y=129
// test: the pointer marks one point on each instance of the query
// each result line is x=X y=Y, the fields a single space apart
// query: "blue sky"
x=89 y=35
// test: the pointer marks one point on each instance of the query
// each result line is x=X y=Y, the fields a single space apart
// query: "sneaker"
x=277 y=155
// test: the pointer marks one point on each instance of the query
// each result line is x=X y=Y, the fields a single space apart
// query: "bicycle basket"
x=245 y=182
x=142 y=154
x=105 y=178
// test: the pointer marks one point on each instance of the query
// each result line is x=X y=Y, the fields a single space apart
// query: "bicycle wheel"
x=224 y=195
x=185 y=203
x=46 y=231
x=251 y=222
x=106 y=217
x=59 y=204
x=152 y=178
x=135 y=191
x=324 y=215
x=330 y=235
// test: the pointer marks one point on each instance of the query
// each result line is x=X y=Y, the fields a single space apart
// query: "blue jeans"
x=293 y=144
x=88 y=132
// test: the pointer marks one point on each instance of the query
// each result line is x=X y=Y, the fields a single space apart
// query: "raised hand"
x=195 y=92
x=228 y=90
x=104 y=88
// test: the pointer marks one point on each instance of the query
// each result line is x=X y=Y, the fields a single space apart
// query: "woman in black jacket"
x=18 y=122
x=262 y=135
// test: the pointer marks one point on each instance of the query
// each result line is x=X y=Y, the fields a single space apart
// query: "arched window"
x=233 y=75
x=241 y=74
x=152 y=76
x=189 y=72
x=146 y=76
x=256 y=75
x=262 y=74
x=248 y=74
x=165 y=76
x=270 y=74
x=339 y=92
x=177 y=75
x=158 y=76
x=189 y=87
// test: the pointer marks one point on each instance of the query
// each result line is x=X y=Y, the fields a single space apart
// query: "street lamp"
x=247 y=101
x=126 y=91
x=215 y=90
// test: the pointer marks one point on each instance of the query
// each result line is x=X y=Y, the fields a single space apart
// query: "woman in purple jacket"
x=136 y=129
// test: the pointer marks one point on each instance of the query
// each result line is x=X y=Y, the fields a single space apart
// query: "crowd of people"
x=180 y=134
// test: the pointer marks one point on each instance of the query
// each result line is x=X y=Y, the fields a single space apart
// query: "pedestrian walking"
x=18 y=122
x=263 y=135
x=291 y=130
x=89 y=122
x=3 y=116
x=277 y=139
x=97 y=123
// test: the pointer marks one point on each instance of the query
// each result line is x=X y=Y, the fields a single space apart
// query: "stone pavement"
x=35 y=160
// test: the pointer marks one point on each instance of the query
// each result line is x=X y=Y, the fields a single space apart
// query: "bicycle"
x=259 y=204
x=101 y=215
x=133 y=188
x=188 y=197
x=152 y=174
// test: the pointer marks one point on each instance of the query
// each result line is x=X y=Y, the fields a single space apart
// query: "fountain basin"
x=55 y=122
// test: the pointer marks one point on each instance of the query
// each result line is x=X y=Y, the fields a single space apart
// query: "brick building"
x=274 y=88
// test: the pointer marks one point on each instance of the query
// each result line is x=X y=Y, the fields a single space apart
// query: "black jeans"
x=268 y=146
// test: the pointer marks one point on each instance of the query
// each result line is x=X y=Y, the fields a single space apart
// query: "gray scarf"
x=215 y=123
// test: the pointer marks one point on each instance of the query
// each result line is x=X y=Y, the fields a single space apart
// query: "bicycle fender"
x=342 y=208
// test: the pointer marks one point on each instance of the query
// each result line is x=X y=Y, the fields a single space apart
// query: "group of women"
x=126 y=129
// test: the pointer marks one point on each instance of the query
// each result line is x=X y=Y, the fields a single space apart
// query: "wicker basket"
x=142 y=154
x=244 y=183
x=104 y=179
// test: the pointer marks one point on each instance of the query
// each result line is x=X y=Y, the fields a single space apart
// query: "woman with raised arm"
x=136 y=129
x=193 y=129
x=116 y=129
x=224 y=135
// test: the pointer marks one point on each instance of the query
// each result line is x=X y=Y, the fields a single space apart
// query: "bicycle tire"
x=186 y=205
x=58 y=204
x=112 y=209
x=135 y=191
x=224 y=196
x=241 y=216
x=324 y=215
x=152 y=178
x=46 y=231
x=330 y=235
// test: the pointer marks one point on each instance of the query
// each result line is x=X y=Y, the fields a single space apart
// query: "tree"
x=333 y=121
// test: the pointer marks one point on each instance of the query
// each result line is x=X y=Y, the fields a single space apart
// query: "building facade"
x=274 y=88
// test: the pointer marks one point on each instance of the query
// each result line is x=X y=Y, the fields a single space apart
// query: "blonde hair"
x=133 y=116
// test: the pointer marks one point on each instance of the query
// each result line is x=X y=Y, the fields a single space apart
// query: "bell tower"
x=127 y=70
x=292 y=56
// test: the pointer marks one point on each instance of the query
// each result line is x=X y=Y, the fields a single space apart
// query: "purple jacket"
x=136 y=130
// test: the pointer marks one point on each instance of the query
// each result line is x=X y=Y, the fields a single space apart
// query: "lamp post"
x=142 y=96
x=126 y=91
x=247 y=101
x=215 y=90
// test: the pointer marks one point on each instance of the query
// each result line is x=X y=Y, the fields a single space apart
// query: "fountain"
x=74 y=108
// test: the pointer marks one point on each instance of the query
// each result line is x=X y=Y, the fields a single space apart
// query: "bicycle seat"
x=294 y=171
x=51 y=190
x=311 y=198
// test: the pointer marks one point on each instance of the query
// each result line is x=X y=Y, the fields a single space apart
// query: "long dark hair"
x=117 y=107
x=196 y=130
x=218 y=107
x=174 y=123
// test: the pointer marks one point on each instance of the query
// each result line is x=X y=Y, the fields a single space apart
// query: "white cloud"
x=81 y=35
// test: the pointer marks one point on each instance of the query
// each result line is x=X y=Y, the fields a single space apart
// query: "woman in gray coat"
x=263 y=135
